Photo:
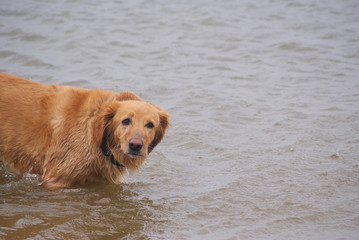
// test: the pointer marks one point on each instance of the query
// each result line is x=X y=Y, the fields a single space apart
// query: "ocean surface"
x=264 y=103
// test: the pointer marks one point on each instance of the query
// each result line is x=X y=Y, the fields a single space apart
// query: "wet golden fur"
x=60 y=132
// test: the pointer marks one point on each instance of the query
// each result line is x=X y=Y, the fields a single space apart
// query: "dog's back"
x=39 y=123
x=23 y=122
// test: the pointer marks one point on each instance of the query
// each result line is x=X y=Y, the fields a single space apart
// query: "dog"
x=73 y=136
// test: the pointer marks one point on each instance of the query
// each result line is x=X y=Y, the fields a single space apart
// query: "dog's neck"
x=107 y=153
x=114 y=161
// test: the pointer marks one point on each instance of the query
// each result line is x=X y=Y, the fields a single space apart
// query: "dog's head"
x=129 y=130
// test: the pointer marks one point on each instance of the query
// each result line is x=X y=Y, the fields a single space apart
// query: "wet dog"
x=72 y=135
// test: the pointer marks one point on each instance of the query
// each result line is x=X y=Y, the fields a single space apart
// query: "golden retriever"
x=74 y=136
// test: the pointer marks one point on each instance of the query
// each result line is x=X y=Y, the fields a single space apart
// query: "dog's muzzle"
x=135 y=146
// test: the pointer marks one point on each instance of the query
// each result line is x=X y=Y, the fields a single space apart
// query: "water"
x=265 y=117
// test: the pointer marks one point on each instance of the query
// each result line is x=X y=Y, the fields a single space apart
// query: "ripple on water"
x=263 y=101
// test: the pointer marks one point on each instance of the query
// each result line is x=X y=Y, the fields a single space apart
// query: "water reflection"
x=96 y=211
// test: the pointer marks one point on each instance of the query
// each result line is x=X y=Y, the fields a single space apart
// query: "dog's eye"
x=126 y=121
x=149 y=125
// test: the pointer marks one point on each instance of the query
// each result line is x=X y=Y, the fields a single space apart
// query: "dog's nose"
x=136 y=144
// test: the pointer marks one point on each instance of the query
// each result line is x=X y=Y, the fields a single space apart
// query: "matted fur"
x=60 y=132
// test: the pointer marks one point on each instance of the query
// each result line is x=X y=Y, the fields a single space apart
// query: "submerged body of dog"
x=72 y=135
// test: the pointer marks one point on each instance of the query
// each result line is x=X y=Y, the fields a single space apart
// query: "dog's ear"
x=101 y=124
x=123 y=96
x=164 y=123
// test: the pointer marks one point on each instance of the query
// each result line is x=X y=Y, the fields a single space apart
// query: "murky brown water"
x=264 y=97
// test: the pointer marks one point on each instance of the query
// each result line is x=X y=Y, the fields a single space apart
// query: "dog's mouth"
x=134 y=154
